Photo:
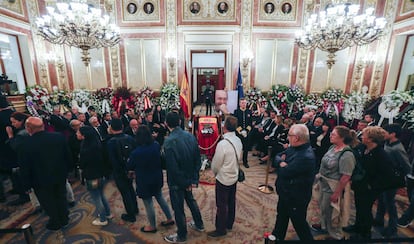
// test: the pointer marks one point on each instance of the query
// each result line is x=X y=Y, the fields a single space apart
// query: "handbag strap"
x=234 y=151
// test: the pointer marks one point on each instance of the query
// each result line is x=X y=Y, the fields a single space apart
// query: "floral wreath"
x=409 y=118
x=81 y=99
x=295 y=96
x=254 y=97
x=391 y=103
x=38 y=96
x=333 y=102
x=59 y=97
x=101 y=99
x=354 y=105
x=314 y=99
x=123 y=99
x=170 y=96
x=144 y=99
x=278 y=99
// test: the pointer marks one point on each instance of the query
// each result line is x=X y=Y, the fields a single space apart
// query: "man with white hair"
x=295 y=168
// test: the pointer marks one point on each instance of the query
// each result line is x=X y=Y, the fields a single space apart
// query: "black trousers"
x=52 y=199
x=363 y=206
x=226 y=206
x=295 y=210
x=245 y=143
x=124 y=185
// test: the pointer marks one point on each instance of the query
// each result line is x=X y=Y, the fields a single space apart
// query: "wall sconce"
x=171 y=58
x=246 y=58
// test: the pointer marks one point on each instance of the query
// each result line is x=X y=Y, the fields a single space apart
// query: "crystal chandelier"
x=78 y=25
x=340 y=27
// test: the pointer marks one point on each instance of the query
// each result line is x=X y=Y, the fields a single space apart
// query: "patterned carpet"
x=256 y=213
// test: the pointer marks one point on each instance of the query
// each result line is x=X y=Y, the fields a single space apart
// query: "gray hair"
x=301 y=131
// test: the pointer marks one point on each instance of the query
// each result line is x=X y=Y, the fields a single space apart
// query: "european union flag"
x=240 y=85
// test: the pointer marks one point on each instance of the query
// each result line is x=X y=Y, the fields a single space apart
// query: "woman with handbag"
x=94 y=169
x=145 y=160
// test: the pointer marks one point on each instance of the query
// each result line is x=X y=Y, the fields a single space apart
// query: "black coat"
x=45 y=160
x=295 y=180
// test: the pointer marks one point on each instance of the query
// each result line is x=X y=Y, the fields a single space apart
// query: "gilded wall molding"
x=383 y=44
x=171 y=29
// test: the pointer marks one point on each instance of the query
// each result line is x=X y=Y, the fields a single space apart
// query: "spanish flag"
x=185 y=96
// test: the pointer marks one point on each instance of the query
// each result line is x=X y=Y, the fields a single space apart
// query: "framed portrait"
x=195 y=7
x=148 y=8
x=275 y=10
x=139 y=11
x=286 y=8
x=14 y=6
x=131 y=8
x=269 y=8
x=222 y=7
x=209 y=10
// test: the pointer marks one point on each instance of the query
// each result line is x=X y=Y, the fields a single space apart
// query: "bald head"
x=34 y=125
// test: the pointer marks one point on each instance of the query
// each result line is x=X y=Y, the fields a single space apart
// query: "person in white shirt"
x=225 y=166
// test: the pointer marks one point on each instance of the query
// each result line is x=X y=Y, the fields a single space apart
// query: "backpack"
x=125 y=147
x=359 y=172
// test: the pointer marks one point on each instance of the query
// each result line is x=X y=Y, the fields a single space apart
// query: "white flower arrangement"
x=354 y=105
x=391 y=103
x=170 y=96
x=395 y=99
x=409 y=119
x=296 y=97
x=255 y=96
x=81 y=97
x=144 y=99
x=314 y=100
x=38 y=96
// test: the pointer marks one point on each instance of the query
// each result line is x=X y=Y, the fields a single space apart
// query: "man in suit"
x=244 y=126
x=132 y=128
x=45 y=162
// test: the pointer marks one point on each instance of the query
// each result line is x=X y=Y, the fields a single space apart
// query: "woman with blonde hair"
x=374 y=168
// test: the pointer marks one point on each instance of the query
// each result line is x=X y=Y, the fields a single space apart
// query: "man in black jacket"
x=183 y=165
x=294 y=184
x=45 y=162
x=116 y=152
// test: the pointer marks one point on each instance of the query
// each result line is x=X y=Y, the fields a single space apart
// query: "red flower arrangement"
x=123 y=100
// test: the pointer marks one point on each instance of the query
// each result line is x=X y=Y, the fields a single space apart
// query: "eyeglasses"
x=291 y=135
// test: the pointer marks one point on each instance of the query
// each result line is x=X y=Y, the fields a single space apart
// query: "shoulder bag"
x=241 y=176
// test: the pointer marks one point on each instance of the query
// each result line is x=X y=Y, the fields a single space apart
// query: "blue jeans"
x=102 y=205
x=386 y=203
x=149 y=207
x=177 y=201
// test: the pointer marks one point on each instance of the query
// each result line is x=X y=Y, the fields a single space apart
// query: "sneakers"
x=403 y=223
x=98 y=222
x=173 y=238
x=193 y=226
x=318 y=229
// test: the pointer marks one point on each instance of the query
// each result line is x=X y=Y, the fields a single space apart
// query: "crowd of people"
x=312 y=158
